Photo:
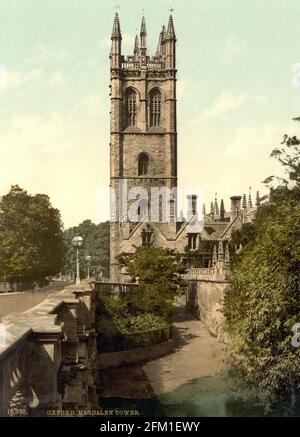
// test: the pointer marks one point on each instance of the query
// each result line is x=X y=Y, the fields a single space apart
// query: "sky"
x=237 y=92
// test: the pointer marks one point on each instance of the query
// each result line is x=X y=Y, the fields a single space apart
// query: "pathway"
x=196 y=354
x=15 y=303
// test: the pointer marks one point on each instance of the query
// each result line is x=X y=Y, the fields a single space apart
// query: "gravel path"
x=196 y=354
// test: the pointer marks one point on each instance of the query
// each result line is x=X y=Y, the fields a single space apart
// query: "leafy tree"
x=31 y=237
x=95 y=244
x=159 y=274
x=263 y=302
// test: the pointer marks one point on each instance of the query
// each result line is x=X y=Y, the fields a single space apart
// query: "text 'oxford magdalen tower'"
x=143 y=140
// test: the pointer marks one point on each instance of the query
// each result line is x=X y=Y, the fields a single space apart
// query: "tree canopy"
x=263 y=302
x=31 y=237
x=95 y=244
x=159 y=275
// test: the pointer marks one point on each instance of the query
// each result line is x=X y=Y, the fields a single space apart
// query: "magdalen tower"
x=143 y=135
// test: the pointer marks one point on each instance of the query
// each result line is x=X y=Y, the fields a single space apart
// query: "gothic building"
x=143 y=152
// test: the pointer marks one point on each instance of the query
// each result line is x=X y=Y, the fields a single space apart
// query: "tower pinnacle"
x=136 y=45
x=250 y=205
x=116 y=31
x=161 y=38
x=171 y=31
x=222 y=210
x=257 y=203
x=143 y=33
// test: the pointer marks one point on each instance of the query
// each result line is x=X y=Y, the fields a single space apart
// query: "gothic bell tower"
x=143 y=133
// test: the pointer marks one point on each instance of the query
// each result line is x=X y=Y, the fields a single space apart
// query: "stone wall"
x=47 y=356
x=205 y=298
x=125 y=342
x=134 y=356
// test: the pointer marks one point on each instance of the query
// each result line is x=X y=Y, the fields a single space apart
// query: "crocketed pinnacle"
x=143 y=31
x=136 y=45
x=171 y=31
x=116 y=31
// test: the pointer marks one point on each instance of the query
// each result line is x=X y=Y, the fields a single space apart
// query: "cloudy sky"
x=237 y=92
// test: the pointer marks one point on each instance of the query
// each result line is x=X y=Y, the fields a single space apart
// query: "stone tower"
x=143 y=139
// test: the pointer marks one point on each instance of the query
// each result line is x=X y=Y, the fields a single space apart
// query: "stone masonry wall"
x=205 y=298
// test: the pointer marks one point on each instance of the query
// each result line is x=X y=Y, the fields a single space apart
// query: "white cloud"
x=105 y=42
x=225 y=103
x=10 y=79
x=234 y=46
x=181 y=88
x=43 y=54
x=3 y=75
x=57 y=80
x=64 y=155
x=229 y=166
x=127 y=41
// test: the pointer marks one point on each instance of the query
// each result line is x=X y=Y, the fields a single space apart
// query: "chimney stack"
x=235 y=207
x=192 y=205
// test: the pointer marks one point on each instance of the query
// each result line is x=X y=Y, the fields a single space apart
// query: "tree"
x=95 y=244
x=159 y=273
x=31 y=237
x=263 y=302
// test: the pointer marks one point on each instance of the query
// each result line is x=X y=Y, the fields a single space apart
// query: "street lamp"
x=77 y=242
x=88 y=260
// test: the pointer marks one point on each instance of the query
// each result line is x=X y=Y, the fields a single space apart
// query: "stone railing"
x=131 y=65
x=214 y=273
x=136 y=65
x=47 y=357
x=195 y=273
x=118 y=288
x=156 y=65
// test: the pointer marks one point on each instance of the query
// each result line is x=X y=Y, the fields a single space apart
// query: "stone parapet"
x=47 y=356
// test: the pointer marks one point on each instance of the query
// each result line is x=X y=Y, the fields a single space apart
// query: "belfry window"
x=143 y=164
x=130 y=108
x=155 y=108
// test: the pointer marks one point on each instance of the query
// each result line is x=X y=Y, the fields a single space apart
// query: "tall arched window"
x=155 y=108
x=143 y=164
x=130 y=107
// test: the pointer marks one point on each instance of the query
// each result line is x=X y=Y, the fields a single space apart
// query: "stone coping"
x=205 y=279
x=38 y=319
x=133 y=356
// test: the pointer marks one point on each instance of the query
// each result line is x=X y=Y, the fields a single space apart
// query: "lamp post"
x=77 y=242
x=88 y=260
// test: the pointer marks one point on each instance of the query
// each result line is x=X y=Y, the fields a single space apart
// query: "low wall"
x=47 y=356
x=134 y=356
x=120 y=342
x=6 y=287
x=204 y=298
